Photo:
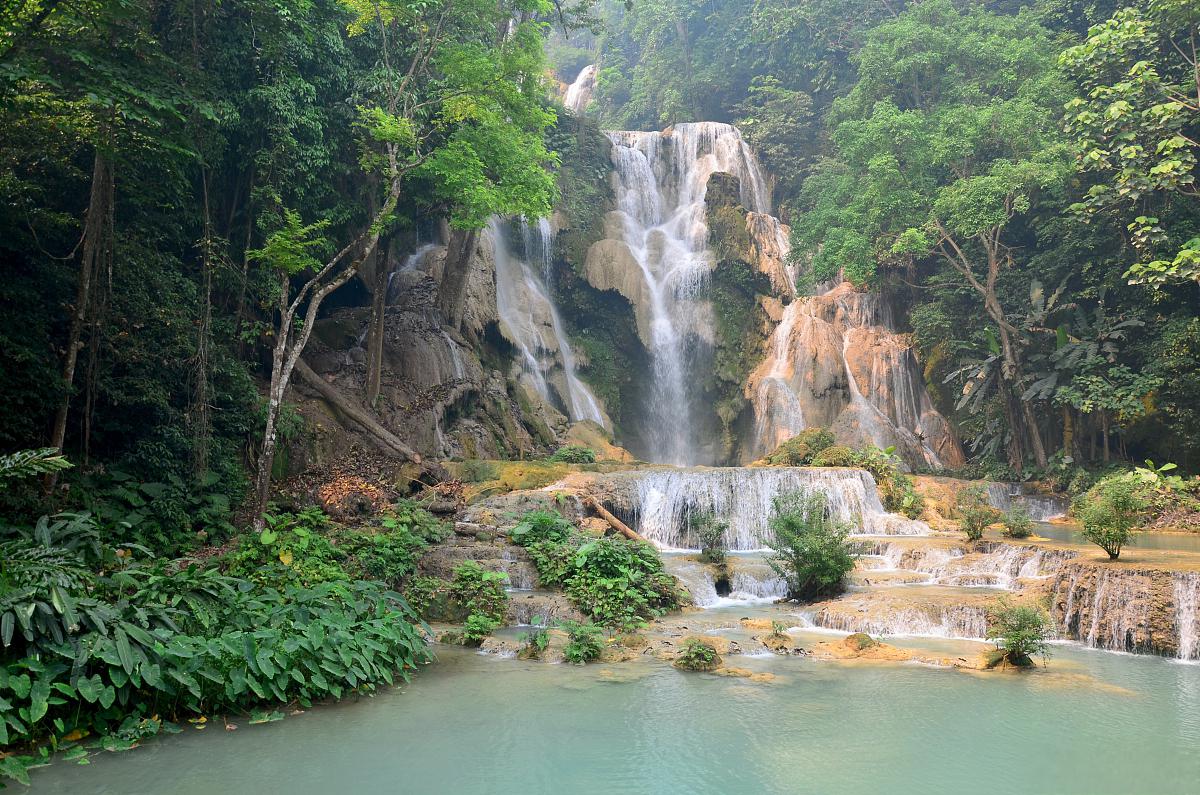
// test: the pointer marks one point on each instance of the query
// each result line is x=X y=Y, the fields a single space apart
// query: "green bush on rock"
x=801 y=448
x=479 y=592
x=585 y=642
x=810 y=548
x=835 y=456
x=1021 y=632
x=574 y=454
x=975 y=513
x=697 y=655
x=1017 y=523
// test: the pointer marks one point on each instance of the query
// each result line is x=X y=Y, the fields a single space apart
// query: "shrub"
x=478 y=591
x=697 y=655
x=835 y=456
x=574 y=454
x=427 y=596
x=710 y=532
x=477 y=627
x=475 y=471
x=1017 y=523
x=801 y=448
x=810 y=549
x=1020 y=631
x=860 y=641
x=1110 y=510
x=534 y=643
x=536 y=526
x=975 y=513
x=585 y=642
x=779 y=629
x=292 y=548
x=896 y=490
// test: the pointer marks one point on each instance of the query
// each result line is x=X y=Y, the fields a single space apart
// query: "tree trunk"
x=96 y=248
x=376 y=328
x=1104 y=433
x=455 y=276
x=613 y=522
x=356 y=414
x=1068 y=443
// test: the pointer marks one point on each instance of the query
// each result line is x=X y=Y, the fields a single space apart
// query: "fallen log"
x=356 y=414
x=613 y=522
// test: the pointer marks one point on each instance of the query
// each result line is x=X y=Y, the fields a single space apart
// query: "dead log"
x=613 y=522
x=356 y=414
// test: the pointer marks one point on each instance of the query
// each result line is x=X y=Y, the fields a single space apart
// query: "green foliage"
x=809 y=547
x=861 y=641
x=534 y=643
x=574 y=454
x=975 y=513
x=477 y=627
x=802 y=448
x=616 y=581
x=27 y=463
x=1111 y=510
x=1021 y=632
x=479 y=592
x=293 y=548
x=895 y=486
x=540 y=526
x=696 y=655
x=585 y=642
x=835 y=456
x=1017 y=523
x=710 y=532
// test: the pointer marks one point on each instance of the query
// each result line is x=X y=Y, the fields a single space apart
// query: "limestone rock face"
x=835 y=361
x=611 y=265
x=1121 y=608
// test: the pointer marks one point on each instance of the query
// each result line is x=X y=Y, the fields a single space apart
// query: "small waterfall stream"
x=579 y=93
x=1041 y=507
x=531 y=321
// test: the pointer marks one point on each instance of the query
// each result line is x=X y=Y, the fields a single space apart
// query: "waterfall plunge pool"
x=1093 y=722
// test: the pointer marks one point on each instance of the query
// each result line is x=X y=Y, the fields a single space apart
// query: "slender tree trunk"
x=201 y=421
x=1068 y=421
x=1104 y=433
x=375 y=331
x=95 y=248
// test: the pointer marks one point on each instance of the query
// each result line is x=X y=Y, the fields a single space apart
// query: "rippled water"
x=1092 y=723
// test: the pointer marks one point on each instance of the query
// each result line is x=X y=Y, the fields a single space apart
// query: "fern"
x=27 y=463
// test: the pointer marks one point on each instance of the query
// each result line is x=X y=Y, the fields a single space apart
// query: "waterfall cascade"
x=531 y=322
x=579 y=93
x=836 y=361
x=1187 y=619
x=659 y=258
x=662 y=502
x=922 y=620
x=1041 y=507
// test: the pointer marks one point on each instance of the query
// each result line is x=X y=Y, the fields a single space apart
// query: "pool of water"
x=1183 y=542
x=1093 y=723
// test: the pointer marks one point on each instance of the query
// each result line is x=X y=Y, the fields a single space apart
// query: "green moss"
x=801 y=449
x=836 y=456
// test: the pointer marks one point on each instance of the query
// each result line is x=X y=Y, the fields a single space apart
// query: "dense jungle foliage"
x=1020 y=175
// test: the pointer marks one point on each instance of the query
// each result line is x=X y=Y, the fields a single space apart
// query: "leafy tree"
x=1136 y=126
x=1020 y=631
x=975 y=513
x=810 y=548
x=1110 y=511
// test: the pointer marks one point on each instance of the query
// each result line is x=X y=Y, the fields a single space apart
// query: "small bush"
x=574 y=454
x=1110 y=510
x=475 y=471
x=801 y=448
x=1017 y=523
x=534 y=643
x=585 y=642
x=427 y=596
x=293 y=548
x=1020 y=631
x=835 y=456
x=860 y=641
x=478 y=591
x=975 y=513
x=810 y=549
x=697 y=655
x=779 y=629
x=710 y=532
x=537 y=526
x=477 y=627
x=895 y=486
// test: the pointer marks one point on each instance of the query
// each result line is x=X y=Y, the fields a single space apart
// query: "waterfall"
x=661 y=182
x=993 y=565
x=923 y=620
x=412 y=262
x=750 y=580
x=1041 y=507
x=531 y=322
x=579 y=93
x=1187 y=596
x=744 y=497
x=835 y=360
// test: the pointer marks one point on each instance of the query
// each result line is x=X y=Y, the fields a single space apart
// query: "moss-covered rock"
x=801 y=449
x=835 y=456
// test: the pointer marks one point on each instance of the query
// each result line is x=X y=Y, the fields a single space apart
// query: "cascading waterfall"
x=579 y=93
x=412 y=262
x=744 y=498
x=750 y=580
x=531 y=322
x=1187 y=619
x=1041 y=507
x=834 y=360
x=948 y=621
x=661 y=182
x=993 y=565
